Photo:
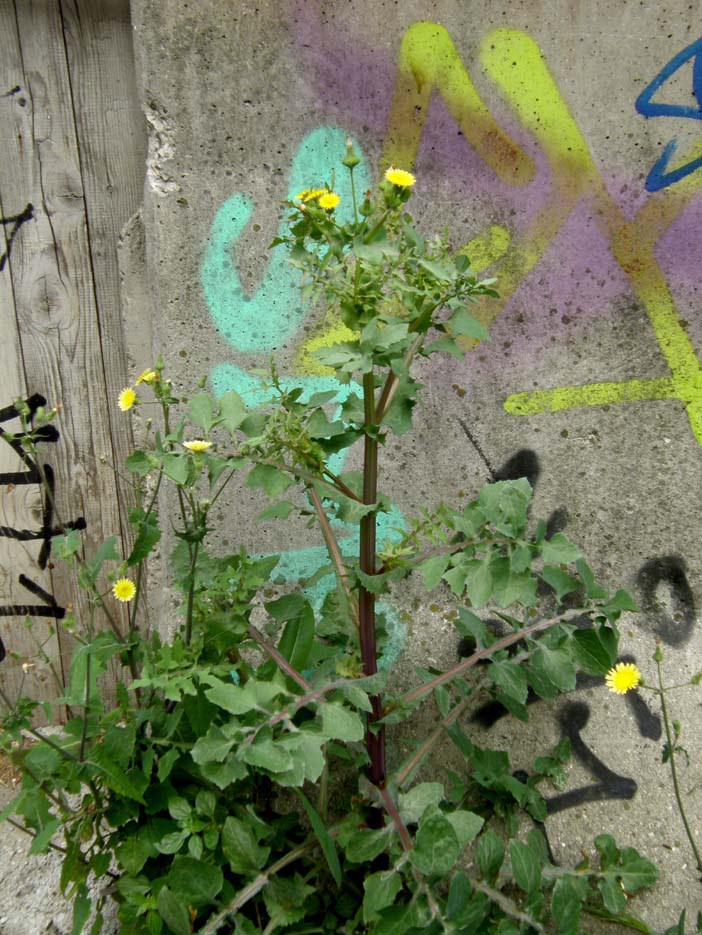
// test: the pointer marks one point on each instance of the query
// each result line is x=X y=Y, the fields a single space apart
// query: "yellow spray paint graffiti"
x=429 y=61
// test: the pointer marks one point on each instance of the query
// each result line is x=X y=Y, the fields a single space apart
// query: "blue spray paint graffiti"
x=272 y=318
x=659 y=177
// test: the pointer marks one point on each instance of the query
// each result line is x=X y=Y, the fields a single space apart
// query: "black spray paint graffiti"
x=34 y=474
x=16 y=220
x=673 y=624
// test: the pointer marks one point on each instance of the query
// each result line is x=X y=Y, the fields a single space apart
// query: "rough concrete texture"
x=520 y=121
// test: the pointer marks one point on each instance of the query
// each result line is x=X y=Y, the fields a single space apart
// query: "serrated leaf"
x=465 y=824
x=463 y=323
x=196 y=882
x=414 y=803
x=201 y=411
x=432 y=570
x=280 y=510
x=176 y=467
x=241 y=847
x=555 y=665
x=559 y=550
x=380 y=890
x=561 y=582
x=174 y=913
x=436 y=847
x=592 y=653
x=232 y=411
x=267 y=754
x=510 y=678
x=339 y=723
x=270 y=479
x=147 y=537
x=139 y=463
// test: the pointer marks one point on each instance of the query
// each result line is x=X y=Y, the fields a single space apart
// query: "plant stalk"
x=375 y=735
x=674 y=770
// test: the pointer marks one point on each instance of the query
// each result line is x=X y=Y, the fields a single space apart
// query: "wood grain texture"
x=50 y=277
x=111 y=139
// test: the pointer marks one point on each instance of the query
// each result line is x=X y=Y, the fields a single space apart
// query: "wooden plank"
x=51 y=274
x=21 y=672
x=112 y=142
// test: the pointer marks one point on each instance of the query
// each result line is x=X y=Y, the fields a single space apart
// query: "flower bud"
x=351 y=159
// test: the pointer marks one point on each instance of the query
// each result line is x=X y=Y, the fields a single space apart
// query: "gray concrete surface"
x=600 y=281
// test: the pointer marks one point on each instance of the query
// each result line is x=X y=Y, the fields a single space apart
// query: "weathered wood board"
x=71 y=146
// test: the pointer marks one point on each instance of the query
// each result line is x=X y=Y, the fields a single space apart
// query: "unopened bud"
x=351 y=159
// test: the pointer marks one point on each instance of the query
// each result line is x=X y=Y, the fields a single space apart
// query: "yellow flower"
x=623 y=678
x=399 y=177
x=328 y=201
x=126 y=398
x=309 y=194
x=124 y=589
x=197 y=444
x=147 y=376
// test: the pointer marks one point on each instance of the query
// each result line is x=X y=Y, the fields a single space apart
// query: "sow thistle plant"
x=245 y=778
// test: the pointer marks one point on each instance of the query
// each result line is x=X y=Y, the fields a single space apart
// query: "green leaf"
x=133 y=853
x=201 y=411
x=81 y=909
x=490 y=854
x=479 y=582
x=325 y=841
x=526 y=866
x=622 y=600
x=241 y=847
x=173 y=912
x=41 y=841
x=195 y=882
x=432 y=570
x=339 y=723
x=280 y=510
x=380 y=890
x=459 y=895
x=130 y=783
x=613 y=895
x=224 y=774
x=465 y=824
x=298 y=636
x=232 y=411
x=213 y=747
x=443 y=345
x=139 y=463
x=560 y=581
x=436 y=845
x=267 y=754
x=179 y=808
x=510 y=678
x=364 y=846
x=147 y=537
x=505 y=505
x=176 y=467
x=565 y=905
x=463 y=323
x=205 y=803
x=592 y=589
x=560 y=550
x=595 y=651
x=554 y=665
x=414 y=803
x=270 y=479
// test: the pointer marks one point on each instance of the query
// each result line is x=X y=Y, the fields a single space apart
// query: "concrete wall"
x=543 y=134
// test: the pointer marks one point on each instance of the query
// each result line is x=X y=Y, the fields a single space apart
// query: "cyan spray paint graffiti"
x=429 y=62
x=660 y=177
x=272 y=318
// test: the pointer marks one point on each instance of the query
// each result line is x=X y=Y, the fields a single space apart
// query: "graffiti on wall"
x=562 y=180
x=661 y=175
x=672 y=621
x=14 y=222
x=42 y=474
